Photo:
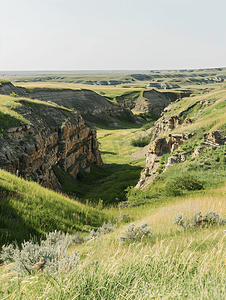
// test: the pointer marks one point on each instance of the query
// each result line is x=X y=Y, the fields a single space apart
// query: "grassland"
x=171 y=263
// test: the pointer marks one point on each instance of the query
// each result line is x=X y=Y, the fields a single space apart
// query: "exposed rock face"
x=214 y=138
x=156 y=149
x=187 y=122
x=89 y=104
x=162 y=146
x=197 y=151
x=172 y=160
x=163 y=85
x=153 y=102
x=55 y=137
x=164 y=124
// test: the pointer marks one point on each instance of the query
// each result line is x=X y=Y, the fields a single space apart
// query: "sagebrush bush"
x=198 y=219
x=105 y=228
x=123 y=217
x=50 y=254
x=135 y=233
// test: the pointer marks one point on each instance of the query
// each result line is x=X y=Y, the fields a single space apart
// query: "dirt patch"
x=141 y=153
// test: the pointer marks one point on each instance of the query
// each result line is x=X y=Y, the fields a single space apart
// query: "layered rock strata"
x=152 y=102
x=52 y=137
x=87 y=103
x=164 y=124
x=156 y=149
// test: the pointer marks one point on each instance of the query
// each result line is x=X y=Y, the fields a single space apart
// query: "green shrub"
x=13 y=94
x=105 y=228
x=198 y=219
x=178 y=185
x=160 y=169
x=141 y=141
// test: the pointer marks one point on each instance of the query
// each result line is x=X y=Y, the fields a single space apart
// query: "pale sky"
x=112 y=35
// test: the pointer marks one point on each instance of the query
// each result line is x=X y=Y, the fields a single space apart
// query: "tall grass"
x=28 y=209
x=173 y=263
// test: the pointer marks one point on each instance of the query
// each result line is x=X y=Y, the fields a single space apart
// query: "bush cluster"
x=177 y=186
x=13 y=94
x=198 y=219
x=50 y=254
x=123 y=217
x=105 y=228
x=135 y=233
x=141 y=141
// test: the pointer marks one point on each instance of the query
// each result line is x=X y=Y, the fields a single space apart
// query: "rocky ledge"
x=50 y=137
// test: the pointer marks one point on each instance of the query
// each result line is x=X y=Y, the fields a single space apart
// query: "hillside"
x=188 y=141
x=91 y=106
x=27 y=209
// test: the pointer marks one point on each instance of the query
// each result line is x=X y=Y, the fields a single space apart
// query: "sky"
x=112 y=34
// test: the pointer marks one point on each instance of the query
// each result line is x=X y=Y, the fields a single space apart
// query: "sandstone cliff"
x=53 y=136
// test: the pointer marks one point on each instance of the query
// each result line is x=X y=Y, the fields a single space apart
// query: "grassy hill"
x=27 y=209
x=172 y=262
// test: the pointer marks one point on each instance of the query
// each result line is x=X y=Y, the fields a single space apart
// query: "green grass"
x=141 y=141
x=52 y=211
x=120 y=169
x=9 y=117
x=3 y=81
x=174 y=263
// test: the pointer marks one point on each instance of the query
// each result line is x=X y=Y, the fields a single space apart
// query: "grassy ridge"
x=28 y=209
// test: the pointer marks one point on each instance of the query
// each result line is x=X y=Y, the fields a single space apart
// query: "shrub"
x=14 y=95
x=124 y=217
x=198 y=219
x=135 y=233
x=177 y=186
x=160 y=169
x=50 y=255
x=181 y=220
x=141 y=141
x=105 y=228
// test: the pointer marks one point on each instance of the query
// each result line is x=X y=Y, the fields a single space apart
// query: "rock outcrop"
x=156 y=149
x=164 y=124
x=152 y=102
x=163 y=85
x=52 y=138
x=214 y=138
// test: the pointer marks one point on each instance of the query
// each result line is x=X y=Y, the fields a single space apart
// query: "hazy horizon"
x=100 y=35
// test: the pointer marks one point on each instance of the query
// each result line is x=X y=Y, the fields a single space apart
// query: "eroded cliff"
x=91 y=106
x=52 y=137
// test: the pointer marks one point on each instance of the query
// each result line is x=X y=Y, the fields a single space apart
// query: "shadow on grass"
x=12 y=226
x=108 y=152
x=103 y=183
x=7 y=121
